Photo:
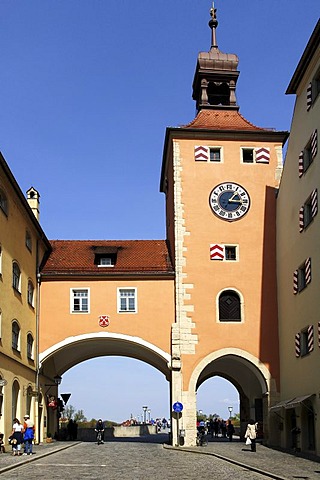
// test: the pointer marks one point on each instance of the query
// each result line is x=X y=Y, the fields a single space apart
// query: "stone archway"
x=73 y=350
x=251 y=378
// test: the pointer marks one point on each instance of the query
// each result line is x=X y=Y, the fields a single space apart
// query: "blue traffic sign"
x=177 y=407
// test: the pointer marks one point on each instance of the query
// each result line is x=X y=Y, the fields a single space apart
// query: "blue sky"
x=87 y=88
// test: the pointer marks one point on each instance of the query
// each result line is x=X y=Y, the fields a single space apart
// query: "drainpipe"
x=37 y=423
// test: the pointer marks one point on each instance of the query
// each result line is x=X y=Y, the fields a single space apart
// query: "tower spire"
x=213 y=23
x=216 y=75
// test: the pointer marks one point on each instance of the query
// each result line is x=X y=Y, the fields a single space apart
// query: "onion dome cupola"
x=216 y=75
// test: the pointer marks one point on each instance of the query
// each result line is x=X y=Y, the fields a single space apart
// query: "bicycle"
x=99 y=437
x=201 y=439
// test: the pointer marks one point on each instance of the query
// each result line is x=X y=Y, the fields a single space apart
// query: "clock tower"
x=220 y=175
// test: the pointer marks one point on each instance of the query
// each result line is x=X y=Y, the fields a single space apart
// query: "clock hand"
x=233 y=200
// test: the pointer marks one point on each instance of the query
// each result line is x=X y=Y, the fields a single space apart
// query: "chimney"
x=33 y=199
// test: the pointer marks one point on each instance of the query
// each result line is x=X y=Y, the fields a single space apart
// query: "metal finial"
x=213 y=23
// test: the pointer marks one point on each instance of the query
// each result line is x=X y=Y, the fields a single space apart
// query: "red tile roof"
x=133 y=257
x=222 y=120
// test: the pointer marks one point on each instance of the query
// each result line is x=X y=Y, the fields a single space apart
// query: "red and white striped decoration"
x=309 y=96
x=301 y=218
x=314 y=144
x=262 y=155
x=301 y=164
x=314 y=202
x=201 y=153
x=297 y=344
x=216 y=251
x=307 y=265
x=295 y=281
x=310 y=338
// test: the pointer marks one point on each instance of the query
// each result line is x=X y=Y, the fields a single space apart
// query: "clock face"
x=229 y=201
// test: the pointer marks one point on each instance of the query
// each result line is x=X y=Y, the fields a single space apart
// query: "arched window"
x=15 y=398
x=30 y=346
x=229 y=307
x=15 y=335
x=16 y=274
x=3 y=202
x=30 y=293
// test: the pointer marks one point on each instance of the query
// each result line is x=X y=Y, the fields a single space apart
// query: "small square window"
x=230 y=252
x=106 y=261
x=248 y=155
x=215 y=154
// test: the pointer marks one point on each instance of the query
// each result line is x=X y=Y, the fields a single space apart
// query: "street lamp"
x=230 y=411
x=57 y=381
x=145 y=414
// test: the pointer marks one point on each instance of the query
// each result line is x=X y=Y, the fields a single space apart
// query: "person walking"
x=230 y=430
x=28 y=435
x=251 y=434
x=16 y=437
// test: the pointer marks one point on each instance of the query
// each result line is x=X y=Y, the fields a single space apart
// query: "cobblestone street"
x=136 y=459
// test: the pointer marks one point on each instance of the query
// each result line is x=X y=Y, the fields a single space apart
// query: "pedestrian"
x=251 y=434
x=16 y=437
x=70 y=429
x=223 y=427
x=216 y=427
x=28 y=436
x=230 y=430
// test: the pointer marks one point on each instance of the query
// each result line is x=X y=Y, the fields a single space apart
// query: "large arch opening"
x=90 y=355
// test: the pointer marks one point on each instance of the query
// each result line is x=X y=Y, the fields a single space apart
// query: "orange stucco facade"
x=252 y=275
x=152 y=321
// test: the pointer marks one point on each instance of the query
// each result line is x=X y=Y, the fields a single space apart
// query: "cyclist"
x=100 y=431
x=201 y=439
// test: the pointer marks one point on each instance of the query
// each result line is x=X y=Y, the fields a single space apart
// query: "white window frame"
x=106 y=265
x=236 y=247
x=215 y=147
x=119 y=310
x=72 y=297
x=254 y=155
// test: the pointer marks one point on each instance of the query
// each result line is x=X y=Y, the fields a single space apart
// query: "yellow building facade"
x=23 y=249
x=298 y=255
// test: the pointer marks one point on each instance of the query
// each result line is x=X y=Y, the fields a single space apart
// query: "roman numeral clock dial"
x=229 y=201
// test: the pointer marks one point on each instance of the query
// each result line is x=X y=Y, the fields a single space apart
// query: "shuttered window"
x=229 y=307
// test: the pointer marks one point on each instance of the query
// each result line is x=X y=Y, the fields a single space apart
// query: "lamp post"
x=145 y=408
x=149 y=415
x=230 y=411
